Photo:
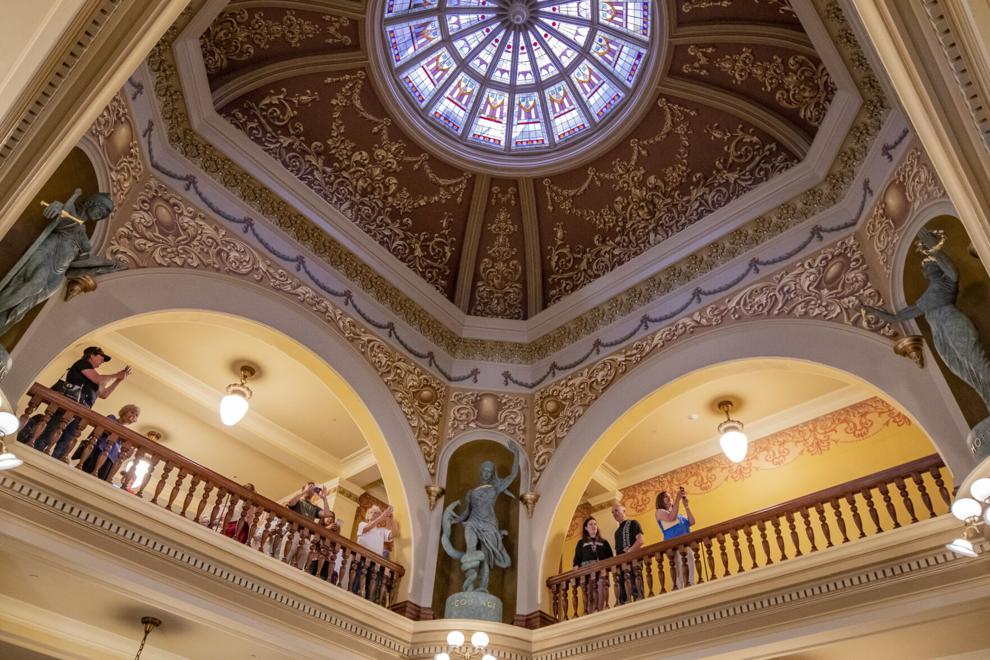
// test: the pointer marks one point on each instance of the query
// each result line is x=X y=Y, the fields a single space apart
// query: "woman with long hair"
x=673 y=524
x=590 y=549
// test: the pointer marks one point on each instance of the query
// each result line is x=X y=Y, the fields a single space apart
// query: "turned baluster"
x=585 y=583
x=748 y=531
x=147 y=475
x=698 y=571
x=905 y=497
x=87 y=448
x=73 y=439
x=104 y=454
x=672 y=556
x=57 y=434
x=723 y=555
x=840 y=521
x=810 y=533
x=193 y=484
x=891 y=511
x=176 y=487
x=823 y=524
x=160 y=486
x=127 y=479
x=602 y=579
x=29 y=409
x=648 y=569
x=628 y=581
x=919 y=483
x=661 y=578
x=736 y=550
x=789 y=517
x=251 y=522
x=207 y=489
x=761 y=526
x=554 y=600
x=289 y=538
x=126 y=451
x=857 y=520
x=779 y=536
x=215 y=512
x=304 y=535
x=575 y=589
x=874 y=514
x=936 y=472
x=710 y=557
x=267 y=530
x=42 y=425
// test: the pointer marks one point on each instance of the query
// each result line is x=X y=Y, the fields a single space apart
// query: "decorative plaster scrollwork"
x=114 y=131
x=164 y=231
x=783 y=6
x=830 y=286
x=651 y=207
x=499 y=292
x=502 y=412
x=364 y=184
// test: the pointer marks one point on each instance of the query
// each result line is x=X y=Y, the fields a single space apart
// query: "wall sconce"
x=234 y=405
x=733 y=441
x=461 y=651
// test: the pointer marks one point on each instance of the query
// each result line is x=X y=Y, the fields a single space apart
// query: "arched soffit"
x=129 y=294
x=860 y=355
x=482 y=434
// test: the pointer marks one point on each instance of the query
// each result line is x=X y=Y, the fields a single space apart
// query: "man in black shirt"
x=628 y=537
x=302 y=503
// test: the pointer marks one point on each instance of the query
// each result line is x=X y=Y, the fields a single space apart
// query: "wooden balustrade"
x=192 y=491
x=742 y=543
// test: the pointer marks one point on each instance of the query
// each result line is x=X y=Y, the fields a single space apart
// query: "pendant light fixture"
x=731 y=437
x=234 y=405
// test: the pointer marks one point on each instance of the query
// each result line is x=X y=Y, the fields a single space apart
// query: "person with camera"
x=303 y=502
x=84 y=384
x=673 y=524
x=377 y=529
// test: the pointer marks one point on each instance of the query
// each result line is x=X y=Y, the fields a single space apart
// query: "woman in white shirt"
x=373 y=533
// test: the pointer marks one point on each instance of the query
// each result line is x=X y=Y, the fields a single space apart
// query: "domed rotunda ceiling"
x=510 y=153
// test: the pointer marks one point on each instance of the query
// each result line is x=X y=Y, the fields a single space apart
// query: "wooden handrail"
x=738 y=532
x=217 y=483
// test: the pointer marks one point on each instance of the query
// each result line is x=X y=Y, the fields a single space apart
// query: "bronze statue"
x=482 y=536
x=60 y=253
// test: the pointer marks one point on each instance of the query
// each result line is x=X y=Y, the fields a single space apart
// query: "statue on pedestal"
x=483 y=543
x=61 y=252
x=955 y=337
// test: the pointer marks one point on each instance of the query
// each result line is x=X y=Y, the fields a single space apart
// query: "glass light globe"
x=980 y=490
x=8 y=461
x=962 y=547
x=479 y=640
x=488 y=656
x=9 y=424
x=734 y=445
x=965 y=508
x=455 y=638
x=233 y=407
x=441 y=656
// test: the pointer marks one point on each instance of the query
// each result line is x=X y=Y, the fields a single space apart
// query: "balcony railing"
x=798 y=527
x=192 y=491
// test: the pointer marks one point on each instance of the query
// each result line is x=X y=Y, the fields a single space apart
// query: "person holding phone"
x=303 y=502
x=673 y=524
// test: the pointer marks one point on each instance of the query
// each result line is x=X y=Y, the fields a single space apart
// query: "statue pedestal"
x=979 y=440
x=473 y=605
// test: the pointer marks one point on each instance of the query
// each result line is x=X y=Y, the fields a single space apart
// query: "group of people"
x=592 y=547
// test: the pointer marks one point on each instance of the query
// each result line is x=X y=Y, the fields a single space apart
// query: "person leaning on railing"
x=628 y=538
x=127 y=415
x=673 y=524
x=589 y=550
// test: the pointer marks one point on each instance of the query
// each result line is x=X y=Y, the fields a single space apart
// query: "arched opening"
x=827 y=351
x=314 y=376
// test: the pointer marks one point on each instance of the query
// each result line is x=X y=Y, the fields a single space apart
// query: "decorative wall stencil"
x=649 y=208
x=829 y=286
x=499 y=290
x=371 y=185
x=164 y=231
x=914 y=184
x=114 y=131
x=237 y=33
x=782 y=6
x=799 y=83
x=502 y=412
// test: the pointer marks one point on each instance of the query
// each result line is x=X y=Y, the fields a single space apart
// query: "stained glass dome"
x=507 y=79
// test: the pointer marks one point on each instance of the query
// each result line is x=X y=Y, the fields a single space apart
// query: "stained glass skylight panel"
x=452 y=108
x=516 y=75
x=622 y=57
x=405 y=39
x=490 y=122
x=632 y=17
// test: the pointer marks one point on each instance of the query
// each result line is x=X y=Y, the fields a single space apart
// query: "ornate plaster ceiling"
x=739 y=95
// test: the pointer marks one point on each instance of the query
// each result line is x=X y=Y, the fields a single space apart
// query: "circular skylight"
x=513 y=81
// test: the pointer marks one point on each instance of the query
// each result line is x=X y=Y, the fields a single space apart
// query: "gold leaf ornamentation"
x=164 y=231
x=650 y=207
x=364 y=184
x=830 y=285
x=236 y=33
x=502 y=412
x=114 y=131
x=801 y=85
x=498 y=292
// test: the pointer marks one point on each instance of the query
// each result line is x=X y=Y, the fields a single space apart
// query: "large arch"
x=144 y=291
x=863 y=355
